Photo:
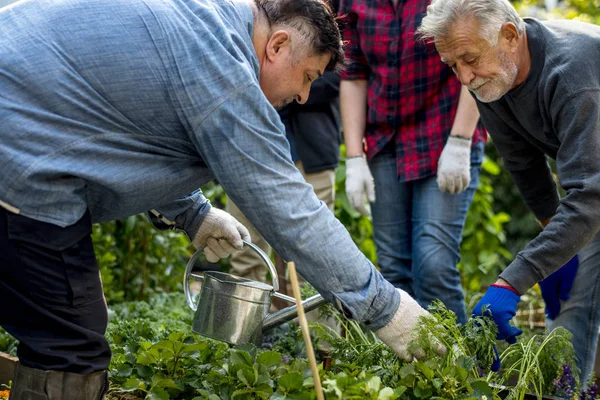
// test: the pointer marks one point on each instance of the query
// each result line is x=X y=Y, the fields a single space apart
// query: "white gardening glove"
x=454 y=166
x=220 y=235
x=359 y=183
x=397 y=333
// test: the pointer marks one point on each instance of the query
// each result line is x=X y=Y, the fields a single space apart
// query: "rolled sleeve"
x=358 y=67
x=187 y=212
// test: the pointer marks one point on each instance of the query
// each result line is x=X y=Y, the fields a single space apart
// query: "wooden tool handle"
x=305 y=333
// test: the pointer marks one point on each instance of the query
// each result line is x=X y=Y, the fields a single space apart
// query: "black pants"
x=51 y=296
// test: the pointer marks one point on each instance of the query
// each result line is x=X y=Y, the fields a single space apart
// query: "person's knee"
x=435 y=272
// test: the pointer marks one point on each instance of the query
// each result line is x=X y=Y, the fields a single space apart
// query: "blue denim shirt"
x=123 y=106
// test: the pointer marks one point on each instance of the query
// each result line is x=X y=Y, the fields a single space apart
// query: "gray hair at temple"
x=491 y=15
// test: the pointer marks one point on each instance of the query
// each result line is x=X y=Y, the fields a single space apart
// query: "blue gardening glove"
x=501 y=302
x=558 y=285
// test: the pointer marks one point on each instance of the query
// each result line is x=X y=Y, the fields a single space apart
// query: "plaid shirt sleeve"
x=358 y=67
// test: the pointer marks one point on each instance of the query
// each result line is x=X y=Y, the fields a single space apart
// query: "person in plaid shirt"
x=419 y=129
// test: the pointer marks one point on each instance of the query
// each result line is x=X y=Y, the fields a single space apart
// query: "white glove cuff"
x=460 y=142
x=356 y=162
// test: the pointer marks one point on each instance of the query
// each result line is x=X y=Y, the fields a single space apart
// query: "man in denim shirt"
x=109 y=109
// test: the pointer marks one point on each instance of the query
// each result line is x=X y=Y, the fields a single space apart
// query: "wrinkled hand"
x=397 y=333
x=501 y=302
x=454 y=165
x=220 y=235
x=558 y=287
x=359 y=184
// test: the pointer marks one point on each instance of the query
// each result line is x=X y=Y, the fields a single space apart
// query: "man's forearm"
x=467 y=115
x=353 y=103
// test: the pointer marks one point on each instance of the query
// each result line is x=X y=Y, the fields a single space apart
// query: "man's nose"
x=302 y=97
x=465 y=75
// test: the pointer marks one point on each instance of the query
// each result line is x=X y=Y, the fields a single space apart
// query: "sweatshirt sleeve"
x=577 y=219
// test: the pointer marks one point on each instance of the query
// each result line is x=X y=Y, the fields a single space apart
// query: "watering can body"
x=236 y=310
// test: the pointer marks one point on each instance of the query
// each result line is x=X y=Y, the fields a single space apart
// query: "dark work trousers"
x=51 y=296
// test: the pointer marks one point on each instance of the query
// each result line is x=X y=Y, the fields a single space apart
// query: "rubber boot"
x=36 y=384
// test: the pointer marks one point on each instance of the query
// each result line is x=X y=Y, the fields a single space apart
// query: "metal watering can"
x=236 y=310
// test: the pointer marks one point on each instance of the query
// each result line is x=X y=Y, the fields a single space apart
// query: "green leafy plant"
x=536 y=362
x=483 y=251
x=8 y=344
x=137 y=260
x=473 y=340
x=454 y=375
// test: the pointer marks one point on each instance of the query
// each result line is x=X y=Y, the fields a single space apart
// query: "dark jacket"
x=313 y=128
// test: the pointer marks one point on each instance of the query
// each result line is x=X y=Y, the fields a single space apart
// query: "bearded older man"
x=537 y=86
x=108 y=109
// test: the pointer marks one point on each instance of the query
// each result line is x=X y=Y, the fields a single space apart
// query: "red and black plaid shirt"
x=412 y=95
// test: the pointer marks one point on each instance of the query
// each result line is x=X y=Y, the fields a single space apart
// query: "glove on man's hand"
x=501 y=302
x=454 y=165
x=220 y=235
x=397 y=333
x=558 y=285
x=359 y=182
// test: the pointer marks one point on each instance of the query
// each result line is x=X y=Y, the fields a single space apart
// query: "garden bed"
x=156 y=356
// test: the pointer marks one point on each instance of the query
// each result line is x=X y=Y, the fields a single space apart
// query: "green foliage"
x=583 y=10
x=483 y=252
x=536 y=362
x=137 y=260
x=473 y=341
x=522 y=226
x=8 y=344
x=586 y=10
x=455 y=375
x=156 y=357
x=170 y=307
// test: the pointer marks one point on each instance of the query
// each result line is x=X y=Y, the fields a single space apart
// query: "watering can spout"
x=287 y=314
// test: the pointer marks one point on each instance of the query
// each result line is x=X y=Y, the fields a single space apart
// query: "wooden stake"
x=305 y=333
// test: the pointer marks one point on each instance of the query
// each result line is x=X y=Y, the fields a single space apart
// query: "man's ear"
x=510 y=34
x=279 y=41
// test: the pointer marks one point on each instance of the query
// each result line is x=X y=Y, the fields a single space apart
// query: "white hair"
x=491 y=15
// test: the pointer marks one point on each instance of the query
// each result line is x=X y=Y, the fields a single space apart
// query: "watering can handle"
x=190 y=265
